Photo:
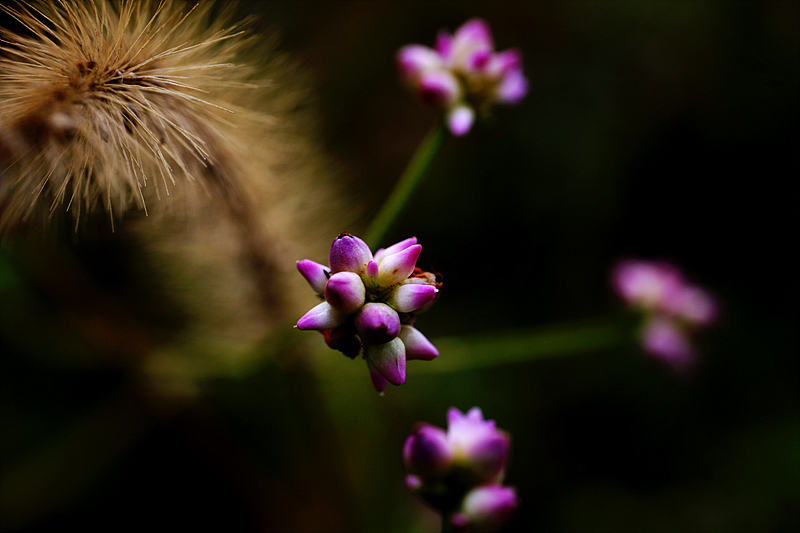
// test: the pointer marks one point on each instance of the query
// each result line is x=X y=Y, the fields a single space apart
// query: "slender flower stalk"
x=408 y=182
x=462 y=75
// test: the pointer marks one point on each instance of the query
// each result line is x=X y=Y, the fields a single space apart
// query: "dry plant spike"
x=113 y=109
x=109 y=106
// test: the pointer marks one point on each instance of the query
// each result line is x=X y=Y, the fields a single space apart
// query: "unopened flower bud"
x=417 y=345
x=345 y=292
x=399 y=266
x=486 y=509
x=383 y=253
x=316 y=275
x=349 y=254
x=387 y=360
x=478 y=444
x=323 y=316
x=663 y=338
x=409 y=297
x=377 y=323
x=427 y=451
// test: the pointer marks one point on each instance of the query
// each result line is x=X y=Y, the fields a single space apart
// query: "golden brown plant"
x=110 y=110
x=107 y=106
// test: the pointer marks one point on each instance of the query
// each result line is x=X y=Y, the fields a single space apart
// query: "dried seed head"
x=112 y=105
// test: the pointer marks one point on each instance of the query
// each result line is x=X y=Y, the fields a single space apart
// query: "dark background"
x=664 y=130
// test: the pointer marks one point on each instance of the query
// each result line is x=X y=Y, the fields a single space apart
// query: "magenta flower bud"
x=414 y=483
x=478 y=444
x=314 y=273
x=378 y=381
x=438 y=88
x=479 y=60
x=512 y=88
x=460 y=120
x=507 y=61
x=414 y=59
x=345 y=292
x=389 y=360
x=417 y=346
x=694 y=305
x=426 y=451
x=486 y=509
x=663 y=338
x=393 y=249
x=409 y=297
x=399 y=266
x=323 y=316
x=647 y=284
x=377 y=323
x=371 y=276
x=349 y=254
x=474 y=36
x=443 y=45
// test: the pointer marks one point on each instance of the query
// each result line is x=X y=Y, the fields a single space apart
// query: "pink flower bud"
x=460 y=119
x=409 y=297
x=662 y=337
x=478 y=444
x=349 y=254
x=389 y=359
x=393 y=249
x=486 y=509
x=399 y=266
x=417 y=346
x=345 y=292
x=377 y=323
x=427 y=451
x=446 y=468
x=323 y=316
x=315 y=274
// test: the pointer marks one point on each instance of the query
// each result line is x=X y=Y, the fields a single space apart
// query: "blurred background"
x=661 y=130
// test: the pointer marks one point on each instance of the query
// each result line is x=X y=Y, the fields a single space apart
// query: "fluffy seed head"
x=111 y=105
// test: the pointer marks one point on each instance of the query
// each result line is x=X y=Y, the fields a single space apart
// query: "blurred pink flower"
x=447 y=468
x=671 y=305
x=485 y=509
x=462 y=74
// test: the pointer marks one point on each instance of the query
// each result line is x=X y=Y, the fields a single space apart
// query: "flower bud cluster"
x=462 y=74
x=672 y=307
x=460 y=471
x=370 y=305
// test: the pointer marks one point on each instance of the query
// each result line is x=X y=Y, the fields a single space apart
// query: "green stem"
x=512 y=346
x=447 y=522
x=406 y=184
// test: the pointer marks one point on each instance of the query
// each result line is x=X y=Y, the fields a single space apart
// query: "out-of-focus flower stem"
x=447 y=522
x=411 y=177
x=511 y=346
